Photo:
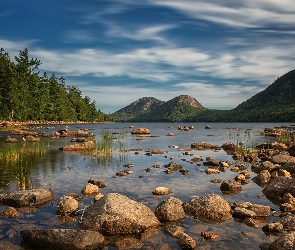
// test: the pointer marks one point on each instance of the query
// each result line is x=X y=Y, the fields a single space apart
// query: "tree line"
x=25 y=95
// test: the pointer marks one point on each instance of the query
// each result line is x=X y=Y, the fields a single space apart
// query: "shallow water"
x=68 y=172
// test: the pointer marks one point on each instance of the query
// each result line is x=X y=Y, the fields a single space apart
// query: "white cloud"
x=244 y=14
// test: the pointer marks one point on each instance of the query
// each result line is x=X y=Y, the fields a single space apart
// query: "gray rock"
x=210 y=208
x=66 y=239
x=67 y=205
x=25 y=198
x=276 y=188
x=242 y=213
x=162 y=191
x=185 y=241
x=8 y=245
x=281 y=159
x=262 y=177
x=288 y=222
x=274 y=227
x=230 y=187
x=170 y=210
x=283 y=242
x=201 y=145
x=265 y=165
x=254 y=210
x=117 y=214
x=290 y=167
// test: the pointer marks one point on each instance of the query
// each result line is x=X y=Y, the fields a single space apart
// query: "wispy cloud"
x=244 y=14
x=78 y=36
x=137 y=32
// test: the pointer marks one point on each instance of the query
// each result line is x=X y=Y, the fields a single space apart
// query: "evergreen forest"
x=27 y=95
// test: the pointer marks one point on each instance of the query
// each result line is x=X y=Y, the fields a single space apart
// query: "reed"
x=16 y=151
x=108 y=146
x=288 y=137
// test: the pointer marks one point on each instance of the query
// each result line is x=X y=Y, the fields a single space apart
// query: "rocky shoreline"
x=116 y=220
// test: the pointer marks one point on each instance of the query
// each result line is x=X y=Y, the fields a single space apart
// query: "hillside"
x=274 y=104
x=148 y=109
x=137 y=108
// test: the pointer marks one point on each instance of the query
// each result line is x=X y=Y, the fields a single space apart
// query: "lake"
x=68 y=172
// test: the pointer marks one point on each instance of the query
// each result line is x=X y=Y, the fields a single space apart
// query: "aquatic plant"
x=244 y=149
x=14 y=152
x=108 y=146
x=288 y=137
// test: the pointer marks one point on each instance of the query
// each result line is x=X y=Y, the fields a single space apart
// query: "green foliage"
x=137 y=108
x=148 y=109
x=25 y=95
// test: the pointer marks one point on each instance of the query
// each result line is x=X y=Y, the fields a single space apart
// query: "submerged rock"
x=66 y=239
x=10 y=212
x=25 y=198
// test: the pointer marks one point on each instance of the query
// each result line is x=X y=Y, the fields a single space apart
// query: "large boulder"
x=117 y=214
x=25 y=198
x=209 y=208
x=66 y=239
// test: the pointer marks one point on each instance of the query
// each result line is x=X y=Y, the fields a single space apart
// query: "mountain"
x=148 y=109
x=137 y=108
x=274 y=104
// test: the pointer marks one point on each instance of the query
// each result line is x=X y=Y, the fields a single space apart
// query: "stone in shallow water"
x=26 y=198
x=117 y=214
x=66 y=239
x=209 y=208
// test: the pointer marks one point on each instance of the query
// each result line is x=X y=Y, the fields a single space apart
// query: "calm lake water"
x=68 y=172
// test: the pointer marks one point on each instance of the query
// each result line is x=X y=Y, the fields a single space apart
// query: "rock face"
x=66 y=239
x=170 y=210
x=25 y=198
x=209 y=208
x=117 y=214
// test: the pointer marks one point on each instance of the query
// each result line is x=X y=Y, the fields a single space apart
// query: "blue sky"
x=220 y=52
